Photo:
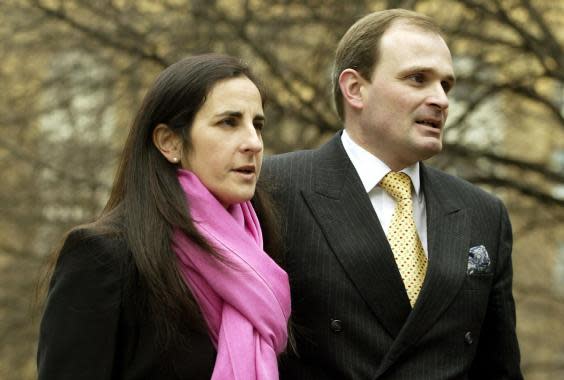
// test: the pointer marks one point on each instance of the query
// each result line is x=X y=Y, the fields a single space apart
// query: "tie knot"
x=397 y=184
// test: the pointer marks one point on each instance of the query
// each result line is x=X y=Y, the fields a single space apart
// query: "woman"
x=171 y=282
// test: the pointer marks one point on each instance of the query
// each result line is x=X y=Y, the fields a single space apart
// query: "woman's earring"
x=175 y=160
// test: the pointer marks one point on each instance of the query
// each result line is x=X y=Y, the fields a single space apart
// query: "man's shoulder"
x=286 y=170
x=459 y=186
x=306 y=160
x=298 y=156
x=287 y=164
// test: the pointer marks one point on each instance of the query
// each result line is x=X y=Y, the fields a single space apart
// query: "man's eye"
x=446 y=86
x=419 y=78
x=259 y=125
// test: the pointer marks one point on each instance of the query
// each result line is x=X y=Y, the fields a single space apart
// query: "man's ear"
x=168 y=143
x=351 y=82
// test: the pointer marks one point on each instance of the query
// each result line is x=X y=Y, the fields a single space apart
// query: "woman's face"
x=226 y=141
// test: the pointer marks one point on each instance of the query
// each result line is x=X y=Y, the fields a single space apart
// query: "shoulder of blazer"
x=93 y=255
x=300 y=167
x=90 y=273
x=95 y=246
x=286 y=164
x=285 y=172
x=456 y=190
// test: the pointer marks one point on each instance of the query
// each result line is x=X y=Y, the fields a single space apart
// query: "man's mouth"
x=433 y=123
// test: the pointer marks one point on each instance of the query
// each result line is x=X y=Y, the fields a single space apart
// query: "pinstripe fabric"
x=351 y=313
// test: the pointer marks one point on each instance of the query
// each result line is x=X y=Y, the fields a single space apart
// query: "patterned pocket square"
x=478 y=260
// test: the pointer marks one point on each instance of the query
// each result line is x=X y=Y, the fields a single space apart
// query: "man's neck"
x=394 y=164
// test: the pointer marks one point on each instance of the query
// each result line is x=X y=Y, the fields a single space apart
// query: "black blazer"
x=352 y=315
x=94 y=328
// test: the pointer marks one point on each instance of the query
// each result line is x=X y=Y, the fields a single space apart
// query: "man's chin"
x=430 y=149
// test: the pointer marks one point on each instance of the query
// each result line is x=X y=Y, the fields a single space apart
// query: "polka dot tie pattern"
x=402 y=234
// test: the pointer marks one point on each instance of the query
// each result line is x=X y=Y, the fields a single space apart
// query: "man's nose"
x=439 y=97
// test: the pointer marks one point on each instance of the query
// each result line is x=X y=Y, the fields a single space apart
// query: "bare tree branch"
x=527 y=190
x=31 y=159
x=465 y=151
x=104 y=39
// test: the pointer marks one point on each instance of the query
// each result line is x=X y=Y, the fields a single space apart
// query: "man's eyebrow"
x=418 y=69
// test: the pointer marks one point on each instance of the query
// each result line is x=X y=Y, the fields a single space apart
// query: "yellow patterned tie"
x=402 y=235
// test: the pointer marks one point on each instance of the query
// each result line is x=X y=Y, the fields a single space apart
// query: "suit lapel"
x=448 y=239
x=343 y=210
x=448 y=227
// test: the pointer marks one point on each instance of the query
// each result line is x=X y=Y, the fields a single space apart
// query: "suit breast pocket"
x=478 y=281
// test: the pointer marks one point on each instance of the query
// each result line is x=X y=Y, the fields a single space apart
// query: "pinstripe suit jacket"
x=350 y=310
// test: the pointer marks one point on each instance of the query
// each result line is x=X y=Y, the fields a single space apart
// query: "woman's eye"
x=229 y=121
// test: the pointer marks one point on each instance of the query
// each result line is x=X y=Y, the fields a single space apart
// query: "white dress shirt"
x=371 y=170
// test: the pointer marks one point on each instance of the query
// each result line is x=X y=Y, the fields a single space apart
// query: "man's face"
x=405 y=104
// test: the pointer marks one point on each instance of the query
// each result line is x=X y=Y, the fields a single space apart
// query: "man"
x=388 y=286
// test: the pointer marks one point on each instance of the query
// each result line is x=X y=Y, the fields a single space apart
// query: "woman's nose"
x=252 y=139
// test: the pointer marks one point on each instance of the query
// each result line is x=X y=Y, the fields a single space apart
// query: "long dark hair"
x=147 y=202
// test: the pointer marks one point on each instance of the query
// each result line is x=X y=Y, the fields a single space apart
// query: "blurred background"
x=73 y=73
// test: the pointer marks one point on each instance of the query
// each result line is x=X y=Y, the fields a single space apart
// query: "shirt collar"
x=371 y=169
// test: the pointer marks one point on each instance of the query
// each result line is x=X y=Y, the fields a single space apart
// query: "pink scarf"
x=246 y=302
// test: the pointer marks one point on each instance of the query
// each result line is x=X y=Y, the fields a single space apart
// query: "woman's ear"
x=351 y=82
x=168 y=143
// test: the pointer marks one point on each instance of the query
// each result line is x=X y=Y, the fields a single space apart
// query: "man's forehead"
x=400 y=27
x=403 y=37
x=414 y=26
x=406 y=47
